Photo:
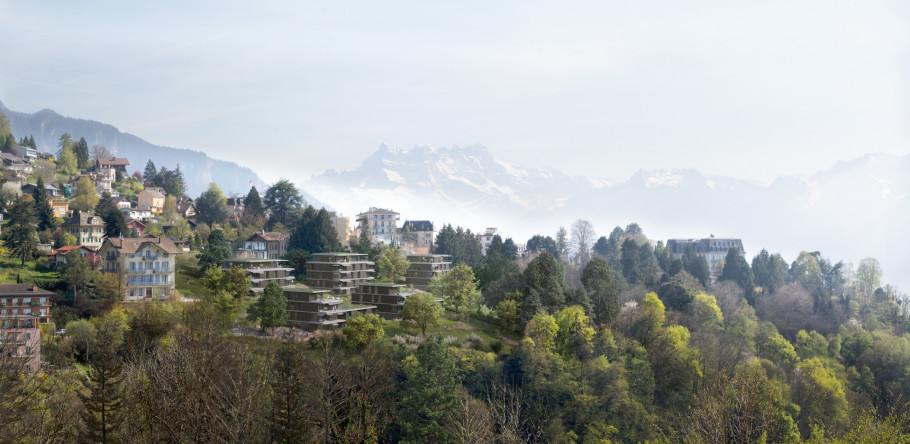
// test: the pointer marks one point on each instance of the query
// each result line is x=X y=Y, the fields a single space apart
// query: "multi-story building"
x=487 y=238
x=341 y=225
x=425 y=267
x=60 y=208
x=264 y=245
x=24 y=305
x=147 y=263
x=262 y=271
x=87 y=228
x=151 y=198
x=339 y=272
x=383 y=225
x=388 y=298
x=115 y=163
x=314 y=309
x=714 y=250
x=418 y=233
x=235 y=207
x=23 y=308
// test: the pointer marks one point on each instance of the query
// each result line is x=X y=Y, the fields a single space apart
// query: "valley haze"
x=855 y=209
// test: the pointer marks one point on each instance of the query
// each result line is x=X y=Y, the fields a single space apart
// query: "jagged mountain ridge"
x=856 y=209
x=198 y=168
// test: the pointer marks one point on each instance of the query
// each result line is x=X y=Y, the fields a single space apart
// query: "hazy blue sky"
x=598 y=88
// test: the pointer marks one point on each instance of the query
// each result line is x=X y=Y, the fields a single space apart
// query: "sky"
x=603 y=88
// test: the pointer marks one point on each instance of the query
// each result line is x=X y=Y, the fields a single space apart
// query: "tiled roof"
x=129 y=245
x=114 y=161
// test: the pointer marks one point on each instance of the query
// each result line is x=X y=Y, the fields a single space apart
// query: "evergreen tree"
x=43 y=210
x=284 y=203
x=21 y=230
x=211 y=207
x=544 y=276
x=102 y=415
x=429 y=392
x=629 y=258
x=736 y=269
x=271 y=308
x=216 y=251
x=31 y=142
x=8 y=144
x=314 y=232
x=80 y=150
x=597 y=279
x=150 y=171
x=253 y=212
x=114 y=223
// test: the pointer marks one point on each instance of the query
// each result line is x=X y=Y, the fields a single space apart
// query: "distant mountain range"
x=198 y=168
x=856 y=209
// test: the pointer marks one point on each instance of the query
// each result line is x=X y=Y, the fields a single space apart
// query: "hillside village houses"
x=23 y=309
x=148 y=264
x=152 y=199
x=339 y=284
x=87 y=228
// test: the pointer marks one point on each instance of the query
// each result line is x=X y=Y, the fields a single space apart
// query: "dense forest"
x=631 y=346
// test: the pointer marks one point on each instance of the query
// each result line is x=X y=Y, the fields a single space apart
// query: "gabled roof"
x=135 y=222
x=154 y=191
x=130 y=245
x=269 y=236
x=83 y=218
x=63 y=251
x=114 y=161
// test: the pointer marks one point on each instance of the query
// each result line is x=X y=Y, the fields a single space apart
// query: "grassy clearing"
x=459 y=326
x=189 y=277
x=11 y=267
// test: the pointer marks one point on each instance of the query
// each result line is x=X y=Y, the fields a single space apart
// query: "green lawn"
x=189 y=277
x=10 y=268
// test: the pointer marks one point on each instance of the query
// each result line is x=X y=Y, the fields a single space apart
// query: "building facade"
x=487 y=238
x=339 y=272
x=23 y=308
x=314 y=309
x=425 y=267
x=383 y=225
x=152 y=199
x=87 y=228
x=418 y=233
x=147 y=264
x=714 y=250
x=342 y=227
x=262 y=271
x=264 y=245
x=387 y=298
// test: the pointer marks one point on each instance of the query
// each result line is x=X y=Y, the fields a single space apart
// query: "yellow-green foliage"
x=542 y=330
x=820 y=394
x=706 y=312
x=573 y=321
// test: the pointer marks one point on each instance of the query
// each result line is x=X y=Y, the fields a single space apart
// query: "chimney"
x=34 y=286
